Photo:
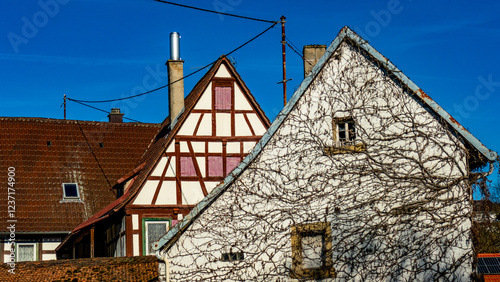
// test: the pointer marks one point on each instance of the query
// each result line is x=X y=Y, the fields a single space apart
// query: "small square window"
x=70 y=191
x=345 y=131
x=345 y=137
x=26 y=252
x=215 y=166
x=312 y=251
x=187 y=166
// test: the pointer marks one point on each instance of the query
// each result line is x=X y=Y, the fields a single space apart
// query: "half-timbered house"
x=217 y=125
x=361 y=177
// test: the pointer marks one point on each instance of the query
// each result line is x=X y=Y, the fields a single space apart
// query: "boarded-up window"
x=215 y=166
x=187 y=166
x=222 y=98
x=231 y=163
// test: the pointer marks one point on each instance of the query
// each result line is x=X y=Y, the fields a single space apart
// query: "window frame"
x=35 y=250
x=353 y=145
x=306 y=229
x=71 y=197
x=145 y=233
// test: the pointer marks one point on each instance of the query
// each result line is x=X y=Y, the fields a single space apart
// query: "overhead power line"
x=215 y=12
x=95 y=108
x=95 y=157
x=161 y=87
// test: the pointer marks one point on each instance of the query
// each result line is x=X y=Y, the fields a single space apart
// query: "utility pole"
x=65 y=106
x=283 y=48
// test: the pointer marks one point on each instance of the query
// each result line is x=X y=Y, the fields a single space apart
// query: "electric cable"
x=161 y=87
x=90 y=147
x=95 y=108
x=215 y=12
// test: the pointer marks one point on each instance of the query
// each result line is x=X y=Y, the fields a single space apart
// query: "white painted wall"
x=205 y=101
x=222 y=72
x=145 y=196
x=256 y=213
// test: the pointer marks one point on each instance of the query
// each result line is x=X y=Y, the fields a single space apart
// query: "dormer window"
x=70 y=191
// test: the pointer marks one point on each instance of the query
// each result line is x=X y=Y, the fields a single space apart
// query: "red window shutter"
x=222 y=98
x=215 y=166
x=231 y=163
x=187 y=167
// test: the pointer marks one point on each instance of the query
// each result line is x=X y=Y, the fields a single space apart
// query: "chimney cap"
x=115 y=115
x=175 y=53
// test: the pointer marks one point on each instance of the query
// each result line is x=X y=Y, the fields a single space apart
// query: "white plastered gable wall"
x=398 y=210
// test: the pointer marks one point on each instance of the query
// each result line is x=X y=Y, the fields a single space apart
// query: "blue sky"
x=94 y=50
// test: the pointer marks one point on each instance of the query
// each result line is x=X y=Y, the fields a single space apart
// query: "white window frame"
x=35 y=251
x=147 y=221
x=71 y=197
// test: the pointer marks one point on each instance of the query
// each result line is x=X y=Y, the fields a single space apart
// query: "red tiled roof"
x=144 y=268
x=40 y=168
x=163 y=138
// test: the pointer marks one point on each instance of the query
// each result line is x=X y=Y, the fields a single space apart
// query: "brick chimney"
x=115 y=116
x=312 y=54
x=175 y=74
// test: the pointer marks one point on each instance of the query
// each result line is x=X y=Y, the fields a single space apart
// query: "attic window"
x=312 y=251
x=70 y=191
x=49 y=143
x=345 y=137
x=101 y=145
x=222 y=98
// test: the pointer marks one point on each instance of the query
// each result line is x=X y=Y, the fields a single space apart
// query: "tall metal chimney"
x=312 y=54
x=175 y=78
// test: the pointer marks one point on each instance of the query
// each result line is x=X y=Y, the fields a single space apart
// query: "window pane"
x=70 y=190
x=187 y=166
x=312 y=251
x=222 y=98
x=352 y=131
x=231 y=163
x=155 y=232
x=215 y=166
x=25 y=252
x=342 y=135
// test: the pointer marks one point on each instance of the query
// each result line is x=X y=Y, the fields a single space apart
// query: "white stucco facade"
x=398 y=206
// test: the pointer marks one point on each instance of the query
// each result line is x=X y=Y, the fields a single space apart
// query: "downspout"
x=167 y=264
